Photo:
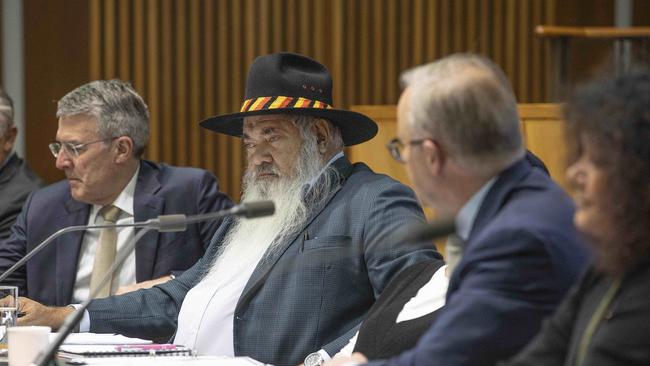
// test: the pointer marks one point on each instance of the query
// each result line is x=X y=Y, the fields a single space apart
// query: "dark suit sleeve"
x=150 y=314
x=210 y=199
x=13 y=248
x=503 y=294
x=389 y=209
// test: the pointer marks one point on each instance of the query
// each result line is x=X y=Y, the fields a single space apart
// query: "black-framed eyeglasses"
x=74 y=150
x=396 y=147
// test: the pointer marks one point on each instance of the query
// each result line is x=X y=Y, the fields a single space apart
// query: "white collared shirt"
x=467 y=214
x=125 y=275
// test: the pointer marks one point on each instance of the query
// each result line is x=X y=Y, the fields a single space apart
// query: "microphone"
x=162 y=223
x=426 y=231
x=248 y=210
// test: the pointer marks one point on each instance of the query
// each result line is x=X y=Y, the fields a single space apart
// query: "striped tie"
x=105 y=253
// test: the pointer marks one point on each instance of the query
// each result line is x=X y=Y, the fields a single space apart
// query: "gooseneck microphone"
x=423 y=231
x=168 y=223
x=163 y=223
x=429 y=231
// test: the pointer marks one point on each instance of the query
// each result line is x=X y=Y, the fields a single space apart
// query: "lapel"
x=343 y=168
x=68 y=247
x=496 y=197
x=147 y=205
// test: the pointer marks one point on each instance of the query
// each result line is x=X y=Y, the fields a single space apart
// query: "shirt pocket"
x=324 y=242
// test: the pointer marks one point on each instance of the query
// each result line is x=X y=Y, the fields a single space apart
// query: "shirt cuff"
x=326 y=356
x=84 y=324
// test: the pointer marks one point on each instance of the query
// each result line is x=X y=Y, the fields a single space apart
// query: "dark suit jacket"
x=311 y=293
x=160 y=189
x=522 y=255
x=621 y=338
x=17 y=181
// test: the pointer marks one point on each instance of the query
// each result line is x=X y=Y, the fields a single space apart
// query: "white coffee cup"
x=25 y=343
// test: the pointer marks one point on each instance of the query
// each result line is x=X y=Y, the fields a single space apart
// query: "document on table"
x=168 y=361
x=96 y=338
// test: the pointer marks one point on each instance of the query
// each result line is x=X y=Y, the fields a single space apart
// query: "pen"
x=147 y=347
x=305 y=237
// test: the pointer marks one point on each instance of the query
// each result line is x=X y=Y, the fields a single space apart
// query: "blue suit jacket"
x=522 y=255
x=160 y=189
x=311 y=293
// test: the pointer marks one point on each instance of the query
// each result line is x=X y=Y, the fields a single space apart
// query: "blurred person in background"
x=17 y=180
x=605 y=320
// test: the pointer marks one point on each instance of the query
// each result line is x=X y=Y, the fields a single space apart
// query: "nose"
x=63 y=160
x=259 y=155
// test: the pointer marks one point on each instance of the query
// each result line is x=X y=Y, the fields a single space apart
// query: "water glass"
x=8 y=310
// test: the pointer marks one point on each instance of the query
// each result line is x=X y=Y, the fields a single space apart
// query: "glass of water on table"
x=8 y=310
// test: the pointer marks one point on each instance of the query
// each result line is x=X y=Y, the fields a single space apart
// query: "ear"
x=323 y=134
x=125 y=149
x=435 y=156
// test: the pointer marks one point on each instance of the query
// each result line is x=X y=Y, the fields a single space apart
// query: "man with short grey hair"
x=102 y=132
x=519 y=253
x=17 y=180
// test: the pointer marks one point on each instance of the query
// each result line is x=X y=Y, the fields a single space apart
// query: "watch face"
x=314 y=359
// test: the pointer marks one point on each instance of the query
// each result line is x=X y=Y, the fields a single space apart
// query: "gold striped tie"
x=105 y=253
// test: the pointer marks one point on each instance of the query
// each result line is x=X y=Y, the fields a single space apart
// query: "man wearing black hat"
x=278 y=288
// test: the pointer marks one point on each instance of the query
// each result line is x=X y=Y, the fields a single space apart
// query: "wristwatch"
x=314 y=359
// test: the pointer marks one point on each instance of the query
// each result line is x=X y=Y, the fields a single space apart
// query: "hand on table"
x=35 y=313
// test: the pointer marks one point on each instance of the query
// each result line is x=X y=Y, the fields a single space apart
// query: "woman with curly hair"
x=605 y=320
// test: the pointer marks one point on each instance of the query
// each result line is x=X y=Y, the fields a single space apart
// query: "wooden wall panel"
x=188 y=58
x=2 y=46
x=541 y=126
x=56 y=61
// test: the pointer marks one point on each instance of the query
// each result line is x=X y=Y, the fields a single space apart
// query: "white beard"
x=249 y=241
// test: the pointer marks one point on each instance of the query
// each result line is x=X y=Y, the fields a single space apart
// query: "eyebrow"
x=73 y=142
x=266 y=130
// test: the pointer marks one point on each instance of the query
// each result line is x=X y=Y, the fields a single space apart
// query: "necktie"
x=105 y=253
x=453 y=252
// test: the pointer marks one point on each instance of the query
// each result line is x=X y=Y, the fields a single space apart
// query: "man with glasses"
x=17 y=180
x=519 y=253
x=103 y=129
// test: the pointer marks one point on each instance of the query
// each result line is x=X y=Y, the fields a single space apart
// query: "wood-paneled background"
x=188 y=58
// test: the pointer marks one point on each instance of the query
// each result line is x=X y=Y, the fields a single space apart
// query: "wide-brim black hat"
x=288 y=83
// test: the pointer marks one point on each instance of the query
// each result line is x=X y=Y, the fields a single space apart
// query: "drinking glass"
x=8 y=310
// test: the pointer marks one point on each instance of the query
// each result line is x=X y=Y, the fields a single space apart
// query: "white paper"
x=169 y=361
x=95 y=338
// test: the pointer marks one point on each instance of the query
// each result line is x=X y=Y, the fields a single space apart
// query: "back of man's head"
x=116 y=106
x=466 y=103
x=6 y=112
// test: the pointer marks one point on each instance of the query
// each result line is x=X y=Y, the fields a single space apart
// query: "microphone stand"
x=149 y=223
x=166 y=223
x=71 y=321
x=163 y=223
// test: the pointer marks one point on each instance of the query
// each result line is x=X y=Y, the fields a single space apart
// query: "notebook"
x=70 y=351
